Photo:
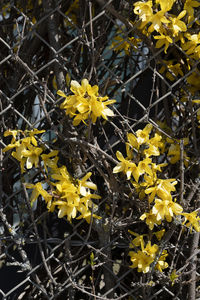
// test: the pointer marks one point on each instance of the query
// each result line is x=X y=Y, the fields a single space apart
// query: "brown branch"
x=103 y=230
x=37 y=235
x=182 y=201
x=194 y=261
x=53 y=34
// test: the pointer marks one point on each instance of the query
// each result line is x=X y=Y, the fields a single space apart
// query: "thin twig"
x=54 y=40
x=182 y=201
x=37 y=235
x=194 y=260
x=92 y=69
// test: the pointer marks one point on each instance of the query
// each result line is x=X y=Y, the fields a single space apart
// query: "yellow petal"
x=84 y=83
x=119 y=156
x=60 y=93
x=118 y=169
x=75 y=85
x=182 y=14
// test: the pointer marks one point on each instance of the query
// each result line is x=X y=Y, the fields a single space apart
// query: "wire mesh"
x=44 y=45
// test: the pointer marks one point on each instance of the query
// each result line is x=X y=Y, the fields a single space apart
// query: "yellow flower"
x=157 y=20
x=13 y=144
x=18 y=154
x=162 y=264
x=143 y=135
x=33 y=132
x=156 y=167
x=161 y=210
x=38 y=190
x=173 y=70
x=69 y=200
x=151 y=150
x=192 y=47
x=143 y=10
x=176 y=25
x=173 y=276
x=73 y=195
x=174 y=153
x=138 y=241
x=123 y=166
x=193 y=40
x=163 y=40
x=99 y=108
x=66 y=209
x=165 y=187
x=165 y=5
x=68 y=191
x=125 y=44
x=151 y=250
x=141 y=260
x=31 y=138
x=85 y=103
x=149 y=180
x=127 y=167
x=194 y=81
x=159 y=234
x=175 y=207
x=165 y=209
x=49 y=161
x=150 y=219
x=144 y=166
x=13 y=133
x=32 y=153
x=86 y=206
x=84 y=184
x=192 y=220
x=139 y=189
x=188 y=6
x=132 y=141
x=129 y=151
x=26 y=150
x=162 y=189
x=61 y=174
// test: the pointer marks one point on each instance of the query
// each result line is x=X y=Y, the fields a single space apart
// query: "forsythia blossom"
x=142 y=259
x=157 y=18
x=27 y=152
x=192 y=220
x=71 y=197
x=140 y=145
x=85 y=103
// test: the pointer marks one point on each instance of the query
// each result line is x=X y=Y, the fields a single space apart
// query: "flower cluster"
x=72 y=197
x=139 y=167
x=157 y=18
x=174 y=151
x=192 y=220
x=122 y=43
x=85 y=104
x=141 y=147
x=26 y=151
x=142 y=259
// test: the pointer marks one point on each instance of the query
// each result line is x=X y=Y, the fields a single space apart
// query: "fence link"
x=44 y=45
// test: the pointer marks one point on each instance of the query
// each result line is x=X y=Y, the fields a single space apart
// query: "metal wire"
x=42 y=256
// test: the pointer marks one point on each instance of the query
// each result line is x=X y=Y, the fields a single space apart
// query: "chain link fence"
x=44 y=45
